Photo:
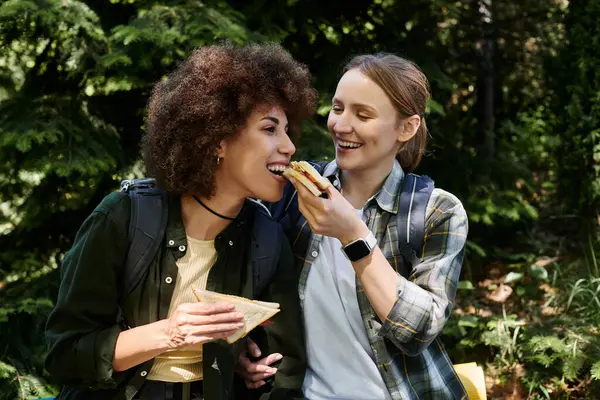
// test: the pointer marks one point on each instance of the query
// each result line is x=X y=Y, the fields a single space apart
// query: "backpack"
x=148 y=223
x=410 y=220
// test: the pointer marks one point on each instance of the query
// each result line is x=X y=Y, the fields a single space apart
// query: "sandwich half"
x=305 y=173
x=255 y=312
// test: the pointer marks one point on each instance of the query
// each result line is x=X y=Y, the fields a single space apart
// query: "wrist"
x=161 y=339
x=360 y=231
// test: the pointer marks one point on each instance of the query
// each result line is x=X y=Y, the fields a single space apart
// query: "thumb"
x=252 y=348
x=332 y=192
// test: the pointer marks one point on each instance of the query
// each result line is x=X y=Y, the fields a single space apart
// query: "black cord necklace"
x=211 y=210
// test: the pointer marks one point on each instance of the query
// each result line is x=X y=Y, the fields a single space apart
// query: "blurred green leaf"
x=513 y=277
x=465 y=285
x=469 y=321
x=538 y=272
x=595 y=371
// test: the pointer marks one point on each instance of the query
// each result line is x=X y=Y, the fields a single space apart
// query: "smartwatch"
x=360 y=248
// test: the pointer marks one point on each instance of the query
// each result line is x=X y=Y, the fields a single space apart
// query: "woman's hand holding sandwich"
x=333 y=217
x=190 y=324
x=199 y=323
x=336 y=217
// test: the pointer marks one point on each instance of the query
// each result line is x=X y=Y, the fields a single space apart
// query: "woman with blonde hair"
x=372 y=308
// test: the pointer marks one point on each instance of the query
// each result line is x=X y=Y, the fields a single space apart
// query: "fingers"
x=332 y=192
x=218 y=335
x=305 y=194
x=207 y=308
x=255 y=385
x=270 y=359
x=264 y=372
x=309 y=215
x=243 y=364
x=311 y=206
x=261 y=376
x=201 y=339
x=202 y=330
x=183 y=318
x=249 y=368
x=252 y=348
x=262 y=366
x=255 y=373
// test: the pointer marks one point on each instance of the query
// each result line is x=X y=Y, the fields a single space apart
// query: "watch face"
x=357 y=250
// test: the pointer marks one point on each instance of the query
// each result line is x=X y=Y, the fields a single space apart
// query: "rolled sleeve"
x=409 y=313
x=94 y=353
x=424 y=300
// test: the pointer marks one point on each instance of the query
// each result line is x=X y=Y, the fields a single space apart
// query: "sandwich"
x=255 y=312
x=304 y=173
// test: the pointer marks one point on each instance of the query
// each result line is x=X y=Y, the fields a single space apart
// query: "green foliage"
x=7 y=371
x=596 y=370
x=550 y=351
x=576 y=69
x=551 y=334
x=585 y=296
x=75 y=76
x=72 y=105
x=25 y=307
x=74 y=79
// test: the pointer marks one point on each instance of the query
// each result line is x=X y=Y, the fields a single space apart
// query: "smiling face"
x=364 y=124
x=252 y=161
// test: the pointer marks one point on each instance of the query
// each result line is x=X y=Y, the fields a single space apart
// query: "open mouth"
x=277 y=169
x=348 y=145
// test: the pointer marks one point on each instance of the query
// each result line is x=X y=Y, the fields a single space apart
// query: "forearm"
x=137 y=345
x=375 y=273
x=380 y=282
x=411 y=315
x=396 y=300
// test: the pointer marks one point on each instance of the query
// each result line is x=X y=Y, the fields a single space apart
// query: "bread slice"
x=300 y=177
x=255 y=312
x=321 y=182
x=304 y=173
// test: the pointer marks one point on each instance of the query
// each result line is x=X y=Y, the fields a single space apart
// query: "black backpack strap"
x=147 y=226
x=266 y=247
x=410 y=220
x=319 y=165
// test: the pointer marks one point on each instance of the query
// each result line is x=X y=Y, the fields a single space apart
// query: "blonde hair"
x=407 y=88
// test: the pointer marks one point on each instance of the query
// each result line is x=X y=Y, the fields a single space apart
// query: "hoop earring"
x=218 y=160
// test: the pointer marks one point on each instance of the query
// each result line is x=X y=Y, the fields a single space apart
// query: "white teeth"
x=349 y=144
x=276 y=167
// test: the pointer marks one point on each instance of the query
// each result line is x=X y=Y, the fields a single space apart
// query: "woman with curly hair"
x=218 y=132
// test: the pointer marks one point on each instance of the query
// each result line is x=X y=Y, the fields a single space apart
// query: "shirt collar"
x=175 y=229
x=176 y=236
x=387 y=197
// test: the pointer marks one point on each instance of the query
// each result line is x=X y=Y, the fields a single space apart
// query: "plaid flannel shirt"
x=409 y=356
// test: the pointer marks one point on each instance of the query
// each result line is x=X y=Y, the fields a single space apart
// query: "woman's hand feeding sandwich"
x=333 y=216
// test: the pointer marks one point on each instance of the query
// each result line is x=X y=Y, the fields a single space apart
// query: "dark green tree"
x=74 y=79
x=75 y=75
x=575 y=80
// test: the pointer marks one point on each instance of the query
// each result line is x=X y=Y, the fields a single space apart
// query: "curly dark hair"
x=209 y=98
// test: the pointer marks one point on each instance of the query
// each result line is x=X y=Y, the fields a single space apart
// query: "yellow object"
x=472 y=378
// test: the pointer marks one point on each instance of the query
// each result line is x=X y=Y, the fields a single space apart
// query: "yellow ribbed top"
x=193 y=268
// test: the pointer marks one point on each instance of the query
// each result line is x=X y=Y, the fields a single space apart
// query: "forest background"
x=514 y=132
